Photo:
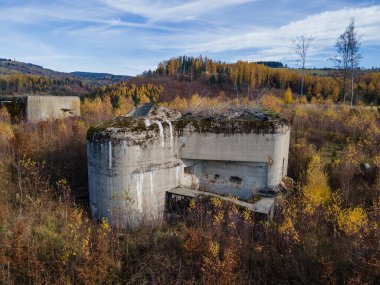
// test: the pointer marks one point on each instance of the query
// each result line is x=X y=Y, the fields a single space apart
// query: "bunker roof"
x=13 y=98
x=24 y=96
x=233 y=120
x=142 y=124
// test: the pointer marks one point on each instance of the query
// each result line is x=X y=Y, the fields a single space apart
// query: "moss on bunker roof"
x=231 y=121
x=121 y=124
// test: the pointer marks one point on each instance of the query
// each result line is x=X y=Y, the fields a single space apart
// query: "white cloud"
x=275 y=43
x=170 y=10
x=80 y=12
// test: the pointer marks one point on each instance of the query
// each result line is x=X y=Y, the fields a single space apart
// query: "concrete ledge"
x=263 y=206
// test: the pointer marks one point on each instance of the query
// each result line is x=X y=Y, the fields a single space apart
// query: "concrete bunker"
x=34 y=108
x=136 y=162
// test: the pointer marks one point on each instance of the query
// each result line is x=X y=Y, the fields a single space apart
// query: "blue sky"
x=130 y=36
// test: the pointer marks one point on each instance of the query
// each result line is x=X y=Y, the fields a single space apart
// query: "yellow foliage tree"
x=178 y=103
x=317 y=90
x=316 y=191
x=350 y=221
x=272 y=103
x=96 y=110
x=195 y=100
x=6 y=133
x=288 y=96
x=125 y=106
x=287 y=228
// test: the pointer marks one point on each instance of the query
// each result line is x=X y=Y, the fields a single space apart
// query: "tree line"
x=143 y=93
x=30 y=84
x=246 y=76
x=346 y=79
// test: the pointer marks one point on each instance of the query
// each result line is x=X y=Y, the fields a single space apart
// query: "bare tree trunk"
x=301 y=48
x=19 y=184
x=352 y=86
x=302 y=80
x=344 y=86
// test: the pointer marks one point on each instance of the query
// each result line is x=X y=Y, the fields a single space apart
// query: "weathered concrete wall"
x=279 y=162
x=191 y=180
x=266 y=148
x=41 y=108
x=240 y=179
x=128 y=184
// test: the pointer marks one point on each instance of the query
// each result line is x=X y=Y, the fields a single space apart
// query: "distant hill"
x=11 y=67
x=100 y=78
x=26 y=78
x=273 y=64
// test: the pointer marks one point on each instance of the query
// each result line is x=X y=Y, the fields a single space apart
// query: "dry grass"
x=47 y=236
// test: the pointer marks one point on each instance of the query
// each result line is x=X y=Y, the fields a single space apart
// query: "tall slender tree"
x=354 y=55
x=302 y=44
x=348 y=57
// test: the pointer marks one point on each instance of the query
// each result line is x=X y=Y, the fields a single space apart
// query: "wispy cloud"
x=128 y=36
x=170 y=10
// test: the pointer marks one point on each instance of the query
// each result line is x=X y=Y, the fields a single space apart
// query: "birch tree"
x=302 y=44
x=354 y=54
x=348 y=57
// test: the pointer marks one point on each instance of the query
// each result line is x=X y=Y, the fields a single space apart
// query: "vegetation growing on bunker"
x=233 y=121
x=120 y=124
x=234 y=126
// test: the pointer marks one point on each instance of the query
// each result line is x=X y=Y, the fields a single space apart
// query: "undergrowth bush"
x=326 y=229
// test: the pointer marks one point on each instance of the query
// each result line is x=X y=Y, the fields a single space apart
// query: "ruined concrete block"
x=134 y=160
x=34 y=108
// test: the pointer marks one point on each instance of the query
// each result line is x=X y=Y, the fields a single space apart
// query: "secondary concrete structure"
x=135 y=161
x=41 y=107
